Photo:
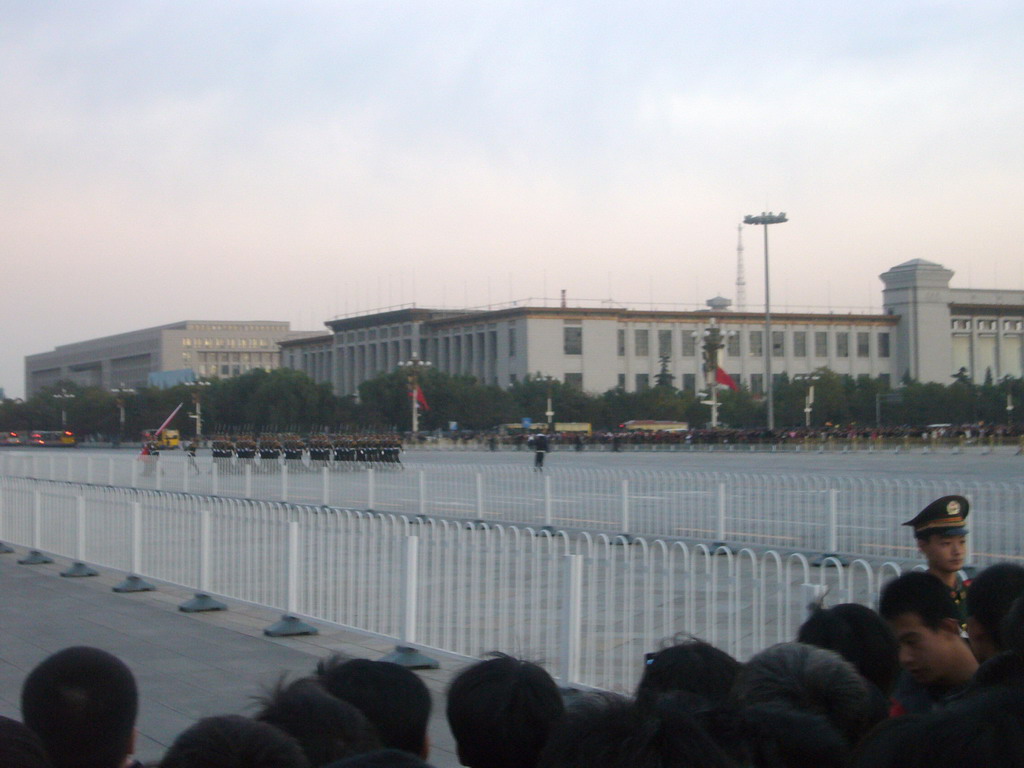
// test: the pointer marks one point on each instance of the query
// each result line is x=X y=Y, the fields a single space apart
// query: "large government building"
x=165 y=354
x=927 y=330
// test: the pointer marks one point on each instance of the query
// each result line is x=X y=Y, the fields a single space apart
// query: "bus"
x=52 y=438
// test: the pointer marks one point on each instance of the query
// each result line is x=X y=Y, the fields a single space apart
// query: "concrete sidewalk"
x=187 y=665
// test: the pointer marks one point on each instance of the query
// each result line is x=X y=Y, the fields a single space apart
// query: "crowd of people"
x=934 y=677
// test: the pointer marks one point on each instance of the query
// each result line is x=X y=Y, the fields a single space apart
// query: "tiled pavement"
x=187 y=665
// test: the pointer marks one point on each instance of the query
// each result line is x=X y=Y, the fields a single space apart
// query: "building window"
x=621 y=342
x=778 y=343
x=842 y=344
x=574 y=380
x=572 y=340
x=640 y=343
x=757 y=383
x=799 y=343
x=689 y=344
x=643 y=382
x=756 y=343
x=821 y=343
x=622 y=377
x=689 y=382
x=732 y=344
x=512 y=342
x=883 y=344
x=664 y=343
x=884 y=380
x=863 y=349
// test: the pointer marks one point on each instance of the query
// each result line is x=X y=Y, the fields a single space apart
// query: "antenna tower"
x=741 y=282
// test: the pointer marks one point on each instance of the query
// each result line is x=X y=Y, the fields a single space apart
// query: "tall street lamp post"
x=64 y=396
x=550 y=413
x=714 y=341
x=197 y=402
x=764 y=220
x=121 y=392
x=412 y=368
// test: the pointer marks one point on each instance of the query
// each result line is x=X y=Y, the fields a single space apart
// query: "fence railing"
x=851 y=516
x=588 y=605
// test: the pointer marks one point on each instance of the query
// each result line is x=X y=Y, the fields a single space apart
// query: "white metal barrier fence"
x=587 y=605
x=853 y=516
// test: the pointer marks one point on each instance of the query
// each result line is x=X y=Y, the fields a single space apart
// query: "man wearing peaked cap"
x=940 y=530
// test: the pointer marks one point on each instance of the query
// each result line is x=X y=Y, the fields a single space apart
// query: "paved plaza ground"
x=187 y=665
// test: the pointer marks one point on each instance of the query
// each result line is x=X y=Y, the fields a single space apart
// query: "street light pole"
x=412 y=371
x=549 y=413
x=197 y=402
x=121 y=392
x=64 y=396
x=764 y=220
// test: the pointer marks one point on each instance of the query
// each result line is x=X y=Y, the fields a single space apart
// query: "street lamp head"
x=766 y=219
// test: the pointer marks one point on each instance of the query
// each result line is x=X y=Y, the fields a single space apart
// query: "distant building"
x=927 y=330
x=163 y=355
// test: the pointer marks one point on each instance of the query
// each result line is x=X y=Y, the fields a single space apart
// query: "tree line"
x=288 y=400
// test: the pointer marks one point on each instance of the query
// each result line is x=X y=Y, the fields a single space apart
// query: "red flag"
x=723 y=378
x=421 y=400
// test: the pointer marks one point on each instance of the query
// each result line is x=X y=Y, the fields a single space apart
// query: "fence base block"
x=290 y=625
x=4 y=549
x=79 y=570
x=201 y=602
x=410 y=658
x=133 y=583
x=819 y=561
x=35 y=557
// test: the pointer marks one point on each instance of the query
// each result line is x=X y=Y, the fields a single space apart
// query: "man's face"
x=944 y=553
x=924 y=652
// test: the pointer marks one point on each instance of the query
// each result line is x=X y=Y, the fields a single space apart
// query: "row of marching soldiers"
x=334 y=451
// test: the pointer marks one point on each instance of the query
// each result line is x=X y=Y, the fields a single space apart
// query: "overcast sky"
x=299 y=160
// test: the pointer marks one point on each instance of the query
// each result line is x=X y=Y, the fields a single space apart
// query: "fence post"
x=248 y=479
x=371 y=490
x=159 y=473
x=35 y=557
x=79 y=568
x=284 y=482
x=404 y=654
x=422 y=487
x=4 y=549
x=215 y=478
x=572 y=620
x=110 y=470
x=549 y=517
x=832 y=544
x=289 y=623
x=202 y=601
x=720 y=544
x=135 y=473
x=624 y=495
x=325 y=487
x=479 y=498
x=133 y=582
x=88 y=469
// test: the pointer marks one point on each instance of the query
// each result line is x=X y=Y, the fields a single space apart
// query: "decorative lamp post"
x=714 y=341
x=765 y=219
x=809 y=397
x=197 y=402
x=121 y=391
x=550 y=413
x=64 y=396
x=412 y=369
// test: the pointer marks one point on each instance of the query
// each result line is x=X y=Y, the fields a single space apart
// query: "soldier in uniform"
x=941 y=535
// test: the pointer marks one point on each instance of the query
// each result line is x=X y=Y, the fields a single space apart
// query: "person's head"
x=381 y=758
x=82 y=703
x=807 y=679
x=989 y=599
x=776 y=736
x=500 y=712
x=691 y=665
x=940 y=531
x=393 y=699
x=610 y=731
x=233 y=741
x=326 y=727
x=923 y=617
x=860 y=636
x=20 y=747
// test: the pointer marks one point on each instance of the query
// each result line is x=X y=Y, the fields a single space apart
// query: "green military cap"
x=946 y=517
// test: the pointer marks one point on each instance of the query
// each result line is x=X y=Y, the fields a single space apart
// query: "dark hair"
x=860 y=636
x=991 y=594
x=381 y=758
x=1011 y=628
x=326 y=727
x=82 y=703
x=20 y=747
x=610 y=731
x=808 y=679
x=917 y=592
x=391 y=697
x=500 y=712
x=691 y=665
x=233 y=741
x=776 y=736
